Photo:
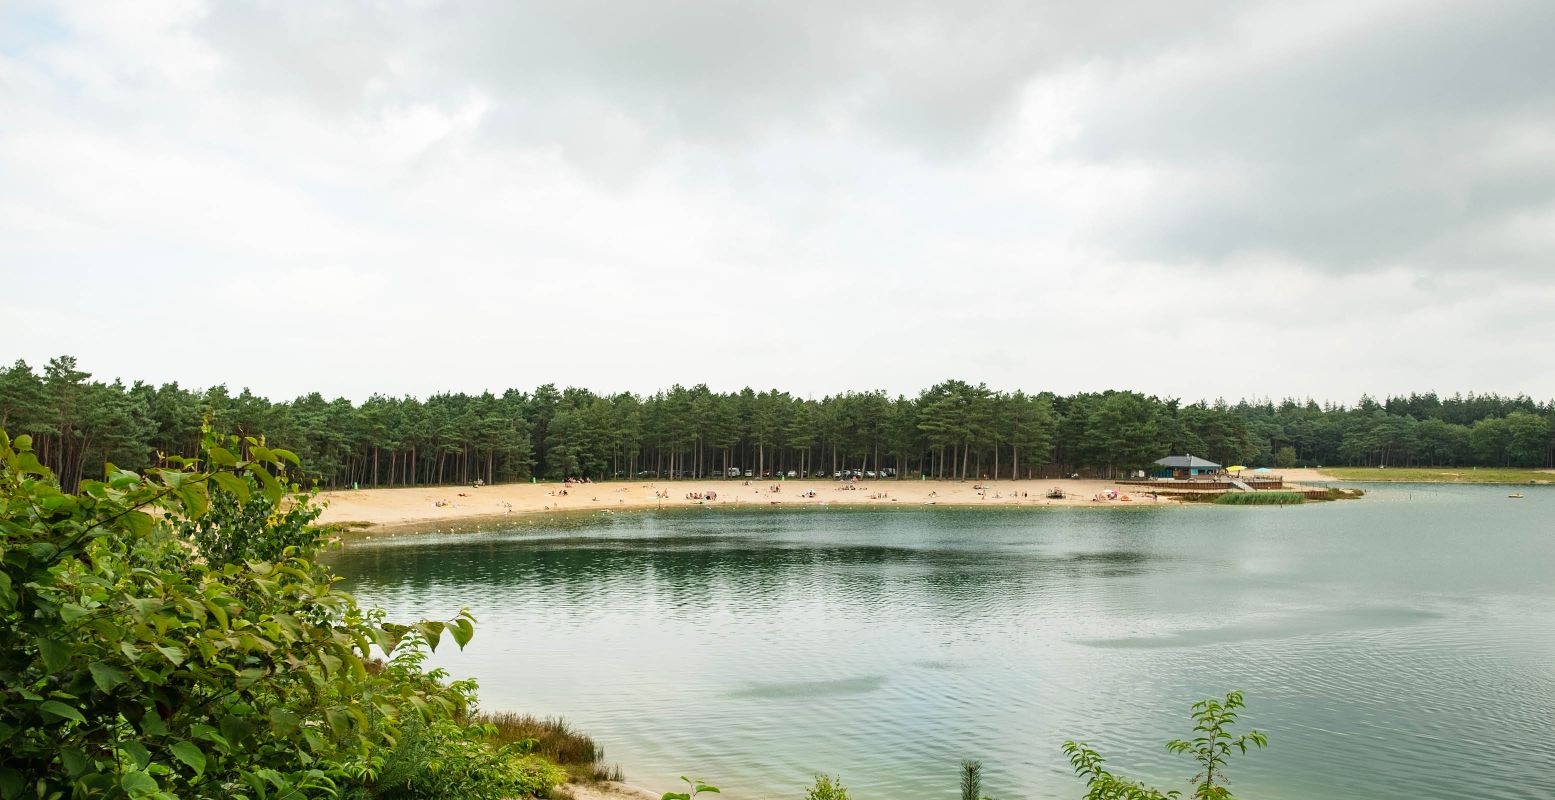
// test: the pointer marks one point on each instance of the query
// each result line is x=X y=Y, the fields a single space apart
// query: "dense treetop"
x=950 y=430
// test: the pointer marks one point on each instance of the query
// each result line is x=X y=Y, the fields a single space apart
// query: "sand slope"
x=431 y=506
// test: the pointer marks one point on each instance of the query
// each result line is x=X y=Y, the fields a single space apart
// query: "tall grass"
x=556 y=741
x=1260 y=499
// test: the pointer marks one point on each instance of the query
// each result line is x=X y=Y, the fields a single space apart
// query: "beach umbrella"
x=1261 y=469
x=1237 y=468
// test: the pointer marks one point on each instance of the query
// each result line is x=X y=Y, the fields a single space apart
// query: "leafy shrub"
x=134 y=664
x=1210 y=749
x=442 y=760
x=243 y=524
x=971 y=780
x=694 y=787
x=827 y=788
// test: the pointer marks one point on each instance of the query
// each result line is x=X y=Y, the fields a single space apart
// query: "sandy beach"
x=606 y=790
x=429 y=507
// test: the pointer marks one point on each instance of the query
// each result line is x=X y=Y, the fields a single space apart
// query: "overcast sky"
x=1194 y=199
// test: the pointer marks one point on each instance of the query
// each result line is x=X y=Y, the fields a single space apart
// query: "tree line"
x=952 y=430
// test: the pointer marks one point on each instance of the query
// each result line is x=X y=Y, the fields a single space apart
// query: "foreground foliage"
x=169 y=634
x=1210 y=748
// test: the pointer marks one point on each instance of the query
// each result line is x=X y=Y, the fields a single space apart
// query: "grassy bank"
x=1260 y=499
x=1440 y=475
x=554 y=740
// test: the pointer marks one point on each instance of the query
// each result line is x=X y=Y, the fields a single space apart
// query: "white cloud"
x=418 y=197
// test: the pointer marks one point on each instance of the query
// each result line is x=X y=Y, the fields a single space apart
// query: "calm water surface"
x=1402 y=646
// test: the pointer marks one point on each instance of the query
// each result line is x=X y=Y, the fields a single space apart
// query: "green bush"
x=135 y=664
x=440 y=760
x=1210 y=749
x=827 y=788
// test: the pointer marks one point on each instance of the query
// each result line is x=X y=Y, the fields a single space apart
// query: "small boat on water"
x=1515 y=495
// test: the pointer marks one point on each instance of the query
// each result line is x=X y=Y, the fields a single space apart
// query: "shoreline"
x=607 y=790
x=431 y=507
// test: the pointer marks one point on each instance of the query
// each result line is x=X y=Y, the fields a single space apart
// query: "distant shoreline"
x=1449 y=475
x=434 y=507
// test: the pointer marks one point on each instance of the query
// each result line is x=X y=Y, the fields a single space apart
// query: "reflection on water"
x=1386 y=645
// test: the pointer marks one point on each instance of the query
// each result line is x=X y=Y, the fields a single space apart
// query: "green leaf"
x=272 y=487
x=74 y=760
x=235 y=730
x=69 y=612
x=105 y=676
x=137 y=752
x=138 y=783
x=232 y=484
x=172 y=654
x=462 y=631
x=190 y=754
x=28 y=463
x=196 y=498
x=250 y=676
x=221 y=457
x=339 y=721
x=56 y=654
x=283 y=722
x=11 y=781
x=433 y=631
x=58 y=709
x=138 y=523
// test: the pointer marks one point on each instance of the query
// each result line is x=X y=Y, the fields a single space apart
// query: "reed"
x=1260 y=499
x=556 y=741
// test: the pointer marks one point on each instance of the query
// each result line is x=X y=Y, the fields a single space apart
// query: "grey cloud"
x=930 y=75
x=1372 y=151
x=1385 y=150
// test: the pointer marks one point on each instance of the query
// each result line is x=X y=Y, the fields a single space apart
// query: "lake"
x=1400 y=646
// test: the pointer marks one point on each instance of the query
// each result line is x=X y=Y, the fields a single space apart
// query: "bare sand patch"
x=430 y=506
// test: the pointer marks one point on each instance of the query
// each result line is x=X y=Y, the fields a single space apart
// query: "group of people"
x=699 y=495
